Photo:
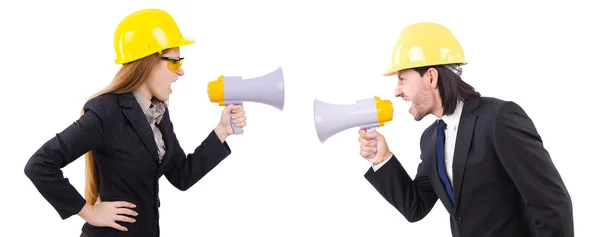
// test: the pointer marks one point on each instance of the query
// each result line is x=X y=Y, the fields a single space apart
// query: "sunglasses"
x=174 y=64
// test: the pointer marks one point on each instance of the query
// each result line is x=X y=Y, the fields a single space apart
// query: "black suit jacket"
x=116 y=130
x=505 y=183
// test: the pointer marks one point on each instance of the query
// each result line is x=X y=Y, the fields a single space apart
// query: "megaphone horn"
x=267 y=89
x=366 y=113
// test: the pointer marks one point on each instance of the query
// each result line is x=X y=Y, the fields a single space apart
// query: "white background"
x=280 y=180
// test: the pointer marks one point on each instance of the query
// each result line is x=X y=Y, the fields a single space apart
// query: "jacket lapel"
x=166 y=130
x=463 y=146
x=136 y=117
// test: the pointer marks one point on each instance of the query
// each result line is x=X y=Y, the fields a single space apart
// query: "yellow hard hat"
x=146 y=32
x=425 y=44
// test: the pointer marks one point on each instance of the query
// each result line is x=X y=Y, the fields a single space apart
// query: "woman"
x=128 y=137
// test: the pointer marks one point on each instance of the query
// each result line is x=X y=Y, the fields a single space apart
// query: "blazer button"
x=459 y=220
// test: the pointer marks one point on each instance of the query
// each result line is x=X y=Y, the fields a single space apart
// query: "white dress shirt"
x=154 y=111
x=451 y=121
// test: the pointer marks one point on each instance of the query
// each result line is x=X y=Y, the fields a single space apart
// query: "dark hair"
x=452 y=88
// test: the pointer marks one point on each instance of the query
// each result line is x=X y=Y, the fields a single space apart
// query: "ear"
x=432 y=78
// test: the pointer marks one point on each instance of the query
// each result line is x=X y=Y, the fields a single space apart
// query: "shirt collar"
x=453 y=119
x=153 y=109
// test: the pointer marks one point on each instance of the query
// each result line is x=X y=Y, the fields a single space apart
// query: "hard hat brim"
x=390 y=72
x=394 y=70
x=183 y=42
x=186 y=41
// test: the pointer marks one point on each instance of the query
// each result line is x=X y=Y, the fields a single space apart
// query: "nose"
x=398 y=92
x=180 y=72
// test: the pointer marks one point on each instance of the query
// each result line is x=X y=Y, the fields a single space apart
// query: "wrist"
x=388 y=155
x=221 y=133
x=86 y=212
x=385 y=157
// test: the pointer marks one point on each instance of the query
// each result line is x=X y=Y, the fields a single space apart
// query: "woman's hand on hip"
x=106 y=214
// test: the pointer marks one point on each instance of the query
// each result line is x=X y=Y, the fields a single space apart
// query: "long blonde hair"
x=129 y=78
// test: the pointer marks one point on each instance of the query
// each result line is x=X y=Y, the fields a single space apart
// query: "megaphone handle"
x=237 y=130
x=372 y=141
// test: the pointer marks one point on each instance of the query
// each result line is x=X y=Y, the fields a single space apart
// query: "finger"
x=372 y=134
x=362 y=132
x=367 y=149
x=239 y=115
x=239 y=120
x=240 y=112
x=126 y=211
x=235 y=108
x=124 y=219
x=242 y=124
x=118 y=227
x=365 y=154
x=364 y=142
x=230 y=108
x=122 y=204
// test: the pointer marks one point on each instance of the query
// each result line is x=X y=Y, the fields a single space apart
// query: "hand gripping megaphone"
x=267 y=89
x=367 y=113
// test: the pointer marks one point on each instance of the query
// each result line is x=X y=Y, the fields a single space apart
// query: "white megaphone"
x=366 y=113
x=268 y=89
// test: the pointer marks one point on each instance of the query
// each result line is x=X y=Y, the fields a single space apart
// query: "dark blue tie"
x=439 y=150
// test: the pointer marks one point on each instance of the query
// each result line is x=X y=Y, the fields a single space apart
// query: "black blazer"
x=505 y=182
x=116 y=130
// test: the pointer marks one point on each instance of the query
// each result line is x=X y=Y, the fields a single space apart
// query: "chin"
x=163 y=98
x=417 y=116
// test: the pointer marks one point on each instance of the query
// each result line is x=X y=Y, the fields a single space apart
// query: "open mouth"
x=407 y=100
x=409 y=103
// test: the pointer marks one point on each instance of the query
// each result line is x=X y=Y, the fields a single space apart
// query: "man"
x=483 y=157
